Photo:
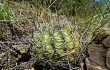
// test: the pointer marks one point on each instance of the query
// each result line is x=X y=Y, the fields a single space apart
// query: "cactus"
x=59 y=43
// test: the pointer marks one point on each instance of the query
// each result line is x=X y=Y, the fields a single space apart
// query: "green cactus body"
x=62 y=41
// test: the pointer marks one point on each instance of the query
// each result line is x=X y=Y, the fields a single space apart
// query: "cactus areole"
x=57 y=43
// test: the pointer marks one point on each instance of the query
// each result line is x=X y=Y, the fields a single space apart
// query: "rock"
x=106 y=42
x=99 y=52
x=101 y=36
x=22 y=51
x=92 y=67
x=96 y=54
x=23 y=48
x=108 y=58
x=106 y=30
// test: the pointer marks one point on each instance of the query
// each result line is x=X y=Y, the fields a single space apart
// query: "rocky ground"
x=16 y=46
x=99 y=52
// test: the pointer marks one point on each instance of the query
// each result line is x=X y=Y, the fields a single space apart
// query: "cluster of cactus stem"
x=57 y=43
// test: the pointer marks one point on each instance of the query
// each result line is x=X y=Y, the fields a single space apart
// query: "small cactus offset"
x=57 y=43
